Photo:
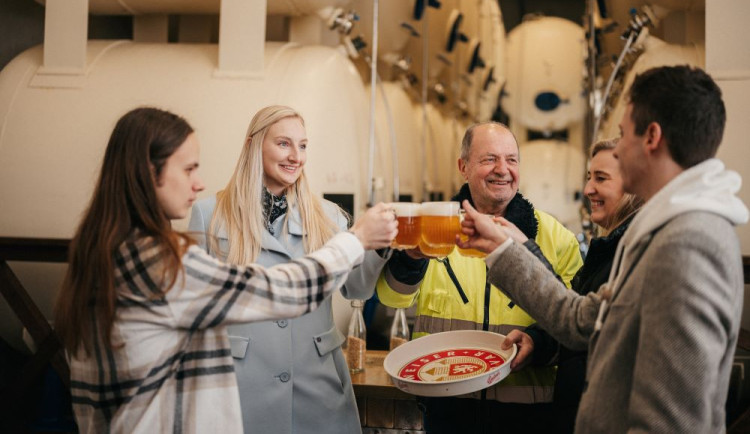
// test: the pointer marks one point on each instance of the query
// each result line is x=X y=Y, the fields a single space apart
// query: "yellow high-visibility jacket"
x=441 y=308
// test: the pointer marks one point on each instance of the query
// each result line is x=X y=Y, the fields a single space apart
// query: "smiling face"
x=284 y=154
x=179 y=183
x=603 y=187
x=491 y=168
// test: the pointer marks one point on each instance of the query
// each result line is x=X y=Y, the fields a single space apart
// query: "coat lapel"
x=294 y=227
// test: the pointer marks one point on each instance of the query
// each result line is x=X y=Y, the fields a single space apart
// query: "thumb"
x=469 y=209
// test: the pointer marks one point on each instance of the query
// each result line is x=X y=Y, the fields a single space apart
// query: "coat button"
x=284 y=377
x=282 y=323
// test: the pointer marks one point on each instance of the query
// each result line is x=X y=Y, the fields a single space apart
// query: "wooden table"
x=382 y=407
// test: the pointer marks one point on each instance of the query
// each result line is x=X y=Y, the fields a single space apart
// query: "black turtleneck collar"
x=520 y=211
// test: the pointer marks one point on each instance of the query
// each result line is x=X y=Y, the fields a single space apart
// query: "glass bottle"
x=356 y=339
x=399 y=329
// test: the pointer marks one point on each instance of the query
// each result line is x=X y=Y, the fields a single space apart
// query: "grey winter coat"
x=660 y=359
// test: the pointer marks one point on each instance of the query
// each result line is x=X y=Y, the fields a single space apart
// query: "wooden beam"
x=33 y=320
x=34 y=249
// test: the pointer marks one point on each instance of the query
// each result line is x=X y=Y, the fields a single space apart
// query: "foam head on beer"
x=409 y=224
x=440 y=223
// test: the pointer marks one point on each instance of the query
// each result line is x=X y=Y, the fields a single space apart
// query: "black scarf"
x=520 y=211
x=273 y=208
x=601 y=251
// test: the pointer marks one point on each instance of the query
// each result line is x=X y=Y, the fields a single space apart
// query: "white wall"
x=728 y=62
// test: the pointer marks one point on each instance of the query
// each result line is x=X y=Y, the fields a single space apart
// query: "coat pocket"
x=328 y=341
x=438 y=302
x=238 y=346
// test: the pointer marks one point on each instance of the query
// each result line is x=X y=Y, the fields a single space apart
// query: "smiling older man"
x=454 y=293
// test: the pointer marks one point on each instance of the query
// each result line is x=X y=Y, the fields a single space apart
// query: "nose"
x=589 y=189
x=293 y=154
x=501 y=166
x=198 y=185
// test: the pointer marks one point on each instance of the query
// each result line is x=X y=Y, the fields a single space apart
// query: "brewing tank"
x=53 y=138
x=61 y=133
x=544 y=88
x=439 y=29
x=551 y=173
x=655 y=52
x=395 y=127
x=395 y=25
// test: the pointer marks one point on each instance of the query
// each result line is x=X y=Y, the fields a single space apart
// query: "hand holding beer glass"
x=467 y=251
x=483 y=232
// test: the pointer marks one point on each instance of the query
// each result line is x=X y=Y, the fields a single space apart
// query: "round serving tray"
x=449 y=363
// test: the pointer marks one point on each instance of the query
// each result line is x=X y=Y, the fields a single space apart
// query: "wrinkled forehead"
x=493 y=139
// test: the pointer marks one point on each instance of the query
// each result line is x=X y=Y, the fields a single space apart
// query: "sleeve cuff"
x=492 y=257
x=350 y=246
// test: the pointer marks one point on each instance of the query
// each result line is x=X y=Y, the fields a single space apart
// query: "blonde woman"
x=291 y=373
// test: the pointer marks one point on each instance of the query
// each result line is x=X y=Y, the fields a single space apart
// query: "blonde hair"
x=239 y=208
x=627 y=206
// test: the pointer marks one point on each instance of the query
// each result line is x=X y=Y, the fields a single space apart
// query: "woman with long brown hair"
x=143 y=311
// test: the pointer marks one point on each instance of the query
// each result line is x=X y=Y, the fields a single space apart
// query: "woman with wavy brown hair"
x=143 y=311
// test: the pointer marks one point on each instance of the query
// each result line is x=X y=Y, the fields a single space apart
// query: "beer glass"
x=471 y=253
x=440 y=224
x=409 y=225
x=435 y=252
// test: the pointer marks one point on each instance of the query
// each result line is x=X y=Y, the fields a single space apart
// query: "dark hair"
x=124 y=199
x=687 y=105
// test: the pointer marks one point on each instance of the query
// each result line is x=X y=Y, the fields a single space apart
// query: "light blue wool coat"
x=291 y=373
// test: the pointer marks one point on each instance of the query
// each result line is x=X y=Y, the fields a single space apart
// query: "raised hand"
x=512 y=230
x=376 y=228
x=484 y=234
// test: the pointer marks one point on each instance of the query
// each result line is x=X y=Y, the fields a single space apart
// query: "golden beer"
x=409 y=225
x=435 y=252
x=440 y=223
x=471 y=253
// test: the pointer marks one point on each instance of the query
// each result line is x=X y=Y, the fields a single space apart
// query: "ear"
x=462 y=168
x=653 y=137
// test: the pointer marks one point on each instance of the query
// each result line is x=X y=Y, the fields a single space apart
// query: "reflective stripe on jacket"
x=440 y=306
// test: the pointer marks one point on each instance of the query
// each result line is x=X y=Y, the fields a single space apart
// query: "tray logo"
x=448 y=365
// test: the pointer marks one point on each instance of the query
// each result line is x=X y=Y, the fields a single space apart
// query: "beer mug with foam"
x=409 y=225
x=440 y=224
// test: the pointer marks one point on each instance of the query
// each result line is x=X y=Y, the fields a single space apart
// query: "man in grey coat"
x=661 y=333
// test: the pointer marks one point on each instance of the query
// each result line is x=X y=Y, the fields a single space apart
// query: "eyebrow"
x=491 y=154
x=290 y=139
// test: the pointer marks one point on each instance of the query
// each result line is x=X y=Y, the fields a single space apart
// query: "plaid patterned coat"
x=171 y=368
